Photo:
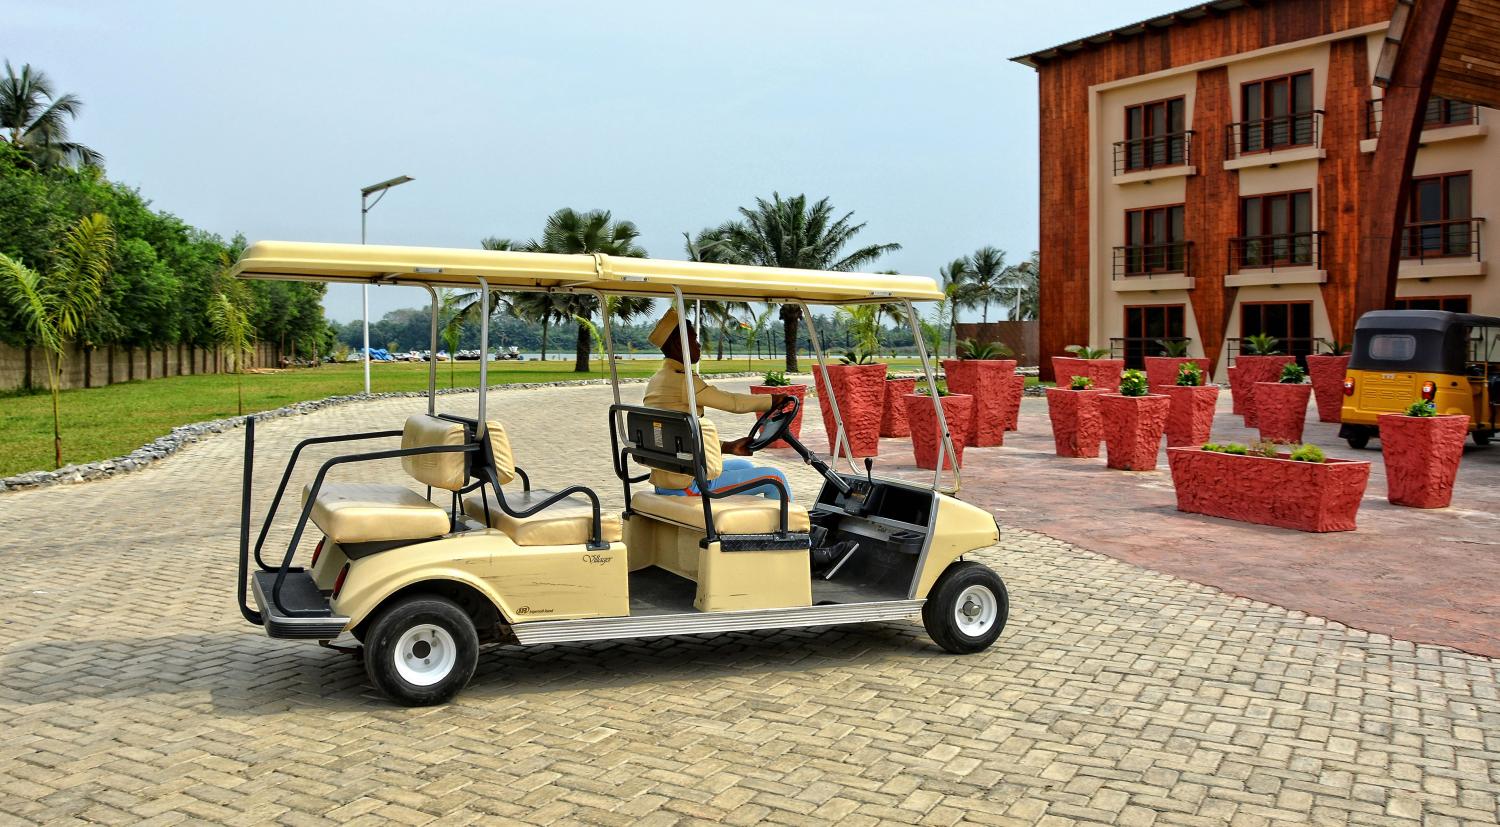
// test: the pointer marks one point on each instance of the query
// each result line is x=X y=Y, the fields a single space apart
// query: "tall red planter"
x=1306 y=496
x=1010 y=413
x=1133 y=427
x=1190 y=417
x=991 y=384
x=1162 y=370
x=799 y=391
x=893 y=414
x=1281 y=410
x=1104 y=372
x=926 y=436
x=861 y=397
x=1421 y=457
x=1077 y=427
x=1327 y=373
x=1248 y=371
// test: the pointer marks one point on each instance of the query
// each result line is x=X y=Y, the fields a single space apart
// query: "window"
x=1452 y=304
x=1393 y=347
x=1437 y=217
x=1155 y=134
x=1275 y=230
x=1153 y=240
x=1290 y=322
x=1146 y=325
x=1448 y=112
x=1277 y=112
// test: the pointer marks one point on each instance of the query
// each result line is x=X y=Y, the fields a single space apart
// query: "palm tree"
x=229 y=321
x=986 y=278
x=571 y=232
x=1024 y=281
x=791 y=233
x=956 y=296
x=34 y=119
x=56 y=306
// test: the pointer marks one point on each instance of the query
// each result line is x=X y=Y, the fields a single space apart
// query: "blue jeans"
x=737 y=470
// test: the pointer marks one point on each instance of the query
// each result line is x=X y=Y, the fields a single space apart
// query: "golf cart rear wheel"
x=421 y=650
x=966 y=609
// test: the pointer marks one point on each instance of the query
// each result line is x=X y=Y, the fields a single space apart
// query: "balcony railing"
x=1454 y=238
x=1135 y=349
x=1173 y=149
x=1281 y=133
x=1147 y=260
x=1300 y=347
x=1441 y=112
x=1271 y=252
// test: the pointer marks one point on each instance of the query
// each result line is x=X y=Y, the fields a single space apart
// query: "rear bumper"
x=313 y=619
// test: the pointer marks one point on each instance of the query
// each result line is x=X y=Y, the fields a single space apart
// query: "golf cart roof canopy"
x=507 y=270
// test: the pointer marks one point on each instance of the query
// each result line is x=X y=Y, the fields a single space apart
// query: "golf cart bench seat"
x=565 y=524
x=356 y=513
x=734 y=514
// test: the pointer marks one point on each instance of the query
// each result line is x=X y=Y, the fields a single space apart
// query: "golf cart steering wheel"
x=773 y=424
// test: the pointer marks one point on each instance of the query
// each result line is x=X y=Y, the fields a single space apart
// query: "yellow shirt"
x=668 y=390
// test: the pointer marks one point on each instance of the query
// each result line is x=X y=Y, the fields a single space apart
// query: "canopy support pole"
x=687 y=353
x=484 y=345
x=432 y=355
x=945 y=447
x=840 y=438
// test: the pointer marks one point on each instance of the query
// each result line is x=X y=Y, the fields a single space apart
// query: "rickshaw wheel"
x=966 y=609
x=1359 y=443
x=421 y=650
x=1483 y=437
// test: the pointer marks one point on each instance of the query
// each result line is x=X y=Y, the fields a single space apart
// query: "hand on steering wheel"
x=774 y=423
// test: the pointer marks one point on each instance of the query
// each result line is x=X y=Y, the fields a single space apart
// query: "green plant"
x=775 y=379
x=1133 y=383
x=1337 y=348
x=1086 y=352
x=1189 y=375
x=36 y=118
x=1081 y=383
x=970 y=349
x=1307 y=453
x=1292 y=374
x=1266 y=448
x=229 y=320
x=858 y=355
x=1176 y=348
x=1422 y=407
x=1226 y=448
x=942 y=389
x=1261 y=344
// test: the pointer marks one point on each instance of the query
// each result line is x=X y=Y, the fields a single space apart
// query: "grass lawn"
x=99 y=423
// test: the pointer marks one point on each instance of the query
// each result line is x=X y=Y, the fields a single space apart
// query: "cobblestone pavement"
x=132 y=692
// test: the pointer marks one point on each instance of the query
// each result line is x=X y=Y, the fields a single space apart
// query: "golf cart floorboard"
x=299 y=594
x=661 y=604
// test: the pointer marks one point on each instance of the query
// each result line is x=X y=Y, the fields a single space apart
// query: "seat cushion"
x=734 y=514
x=565 y=523
x=352 y=513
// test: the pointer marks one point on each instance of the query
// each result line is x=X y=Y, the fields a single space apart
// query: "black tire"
x=1483 y=437
x=940 y=614
x=435 y=639
x=1360 y=442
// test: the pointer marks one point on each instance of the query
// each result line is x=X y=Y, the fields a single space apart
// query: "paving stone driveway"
x=131 y=691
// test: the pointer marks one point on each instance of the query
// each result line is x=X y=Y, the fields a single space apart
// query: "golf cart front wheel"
x=421 y=650
x=966 y=609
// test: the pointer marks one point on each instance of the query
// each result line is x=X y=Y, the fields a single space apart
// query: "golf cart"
x=422 y=586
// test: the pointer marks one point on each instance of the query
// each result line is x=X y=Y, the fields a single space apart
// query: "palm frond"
x=83 y=263
x=23 y=287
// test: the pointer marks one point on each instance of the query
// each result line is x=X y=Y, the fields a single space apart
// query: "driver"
x=666 y=390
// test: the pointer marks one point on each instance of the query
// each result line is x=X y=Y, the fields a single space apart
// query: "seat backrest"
x=663 y=441
x=501 y=457
x=449 y=471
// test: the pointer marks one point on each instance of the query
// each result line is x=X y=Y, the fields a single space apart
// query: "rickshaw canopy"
x=520 y=271
x=1435 y=341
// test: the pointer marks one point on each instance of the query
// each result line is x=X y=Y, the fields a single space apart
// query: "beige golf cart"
x=423 y=584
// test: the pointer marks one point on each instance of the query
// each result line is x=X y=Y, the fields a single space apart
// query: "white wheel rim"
x=976 y=610
x=425 y=654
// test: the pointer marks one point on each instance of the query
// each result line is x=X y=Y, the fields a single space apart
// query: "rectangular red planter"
x=1247 y=371
x=991 y=383
x=1306 y=496
x=1104 y=372
x=799 y=391
x=860 y=392
x=893 y=419
x=1281 y=410
x=1422 y=455
x=926 y=436
x=1191 y=418
x=1162 y=370
x=1327 y=374
x=1133 y=426
x=1076 y=427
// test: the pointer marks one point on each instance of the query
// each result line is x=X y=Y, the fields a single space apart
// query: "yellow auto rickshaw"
x=1406 y=356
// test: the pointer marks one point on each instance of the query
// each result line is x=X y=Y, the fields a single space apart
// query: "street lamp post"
x=364 y=209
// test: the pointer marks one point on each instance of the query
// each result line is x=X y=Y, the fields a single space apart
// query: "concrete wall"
x=108 y=365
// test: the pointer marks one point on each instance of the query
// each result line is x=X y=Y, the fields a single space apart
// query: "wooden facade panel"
x=1469 y=68
x=1339 y=179
x=1214 y=216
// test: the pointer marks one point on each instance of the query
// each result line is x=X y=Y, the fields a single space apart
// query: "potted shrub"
x=983 y=372
x=1300 y=489
x=775 y=382
x=859 y=383
x=927 y=435
x=1161 y=371
x=1281 y=406
x=1190 y=415
x=1422 y=451
x=893 y=414
x=1260 y=360
x=1090 y=362
x=1074 y=411
x=1134 y=420
x=1327 y=371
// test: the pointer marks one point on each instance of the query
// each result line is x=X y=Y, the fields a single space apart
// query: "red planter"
x=893 y=415
x=861 y=396
x=1010 y=413
x=1307 y=496
x=926 y=436
x=1133 y=426
x=1076 y=425
x=1247 y=372
x=1162 y=370
x=991 y=383
x=1281 y=410
x=1327 y=373
x=799 y=391
x=1190 y=419
x=1104 y=372
x=1421 y=457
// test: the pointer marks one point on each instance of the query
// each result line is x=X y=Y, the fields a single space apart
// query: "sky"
x=267 y=118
